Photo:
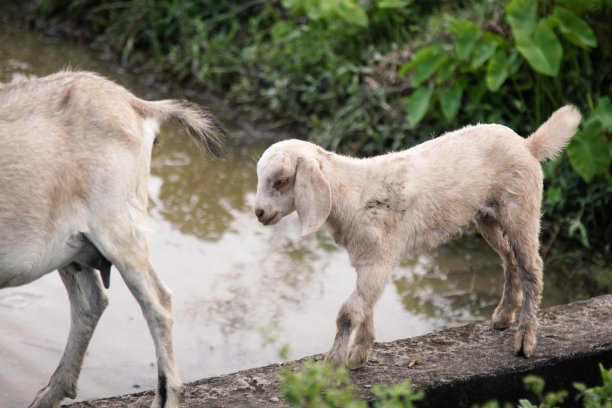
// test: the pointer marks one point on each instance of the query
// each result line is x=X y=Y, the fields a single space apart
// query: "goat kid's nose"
x=259 y=212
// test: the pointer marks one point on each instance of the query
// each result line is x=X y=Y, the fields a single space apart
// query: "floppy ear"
x=312 y=196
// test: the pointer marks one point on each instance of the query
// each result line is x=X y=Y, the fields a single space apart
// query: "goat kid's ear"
x=312 y=196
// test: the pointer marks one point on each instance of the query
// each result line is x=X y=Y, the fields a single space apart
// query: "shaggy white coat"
x=483 y=176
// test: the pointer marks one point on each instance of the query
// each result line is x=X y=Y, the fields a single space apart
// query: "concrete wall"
x=461 y=366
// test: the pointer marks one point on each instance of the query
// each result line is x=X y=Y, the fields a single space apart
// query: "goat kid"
x=74 y=164
x=483 y=176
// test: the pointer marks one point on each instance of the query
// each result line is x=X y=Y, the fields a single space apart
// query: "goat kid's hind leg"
x=503 y=316
x=87 y=302
x=526 y=248
x=357 y=313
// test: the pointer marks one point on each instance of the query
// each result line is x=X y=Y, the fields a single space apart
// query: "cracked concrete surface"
x=456 y=367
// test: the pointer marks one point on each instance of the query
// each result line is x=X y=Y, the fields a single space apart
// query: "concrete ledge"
x=462 y=366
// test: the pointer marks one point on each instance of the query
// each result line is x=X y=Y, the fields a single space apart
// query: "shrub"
x=367 y=77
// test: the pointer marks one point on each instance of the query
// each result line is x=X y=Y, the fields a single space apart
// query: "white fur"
x=75 y=153
x=483 y=176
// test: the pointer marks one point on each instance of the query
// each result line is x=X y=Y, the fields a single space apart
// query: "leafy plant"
x=484 y=60
x=590 y=150
x=320 y=385
x=551 y=54
x=536 y=385
x=599 y=396
x=341 y=72
x=592 y=397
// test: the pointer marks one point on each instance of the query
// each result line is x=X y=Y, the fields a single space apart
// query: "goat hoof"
x=45 y=399
x=524 y=343
x=502 y=320
x=335 y=360
x=358 y=358
x=500 y=325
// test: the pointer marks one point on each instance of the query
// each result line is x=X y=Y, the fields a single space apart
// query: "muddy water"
x=232 y=278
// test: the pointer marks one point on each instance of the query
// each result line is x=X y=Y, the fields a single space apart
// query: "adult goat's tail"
x=201 y=124
x=554 y=134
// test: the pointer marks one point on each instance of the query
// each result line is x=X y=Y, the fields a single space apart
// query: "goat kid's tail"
x=201 y=124
x=553 y=135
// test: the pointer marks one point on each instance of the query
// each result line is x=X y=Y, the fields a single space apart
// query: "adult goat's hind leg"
x=503 y=316
x=87 y=302
x=155 y=300
x=125 y=245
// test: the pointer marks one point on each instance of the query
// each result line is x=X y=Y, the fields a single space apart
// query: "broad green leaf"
x=603 y=113
x=446 y=71
x=588 y=152
x=606 y=375
x=465 y=44
x=524 y=403
x=497 y=70
x=313 y=11
x=491 y=37
x=450 y=100
x=458 y=27
x=467 y=33
x=579 y=6
x=482 y=53
x=428 y=68
x=420 y=57
x=575 y=29
x=521 y=15
x=514 y=62
x=418 y=104
x=543 y=51
x=534 y=383
x=392 y=3
x=353 y=13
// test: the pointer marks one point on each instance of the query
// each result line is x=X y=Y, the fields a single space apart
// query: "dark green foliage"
x=368 y=77
x=595 y=397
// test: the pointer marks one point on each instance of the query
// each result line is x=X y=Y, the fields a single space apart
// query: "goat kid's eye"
x=282 y=182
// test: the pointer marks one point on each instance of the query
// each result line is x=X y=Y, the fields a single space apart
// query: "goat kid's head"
x=290 y=178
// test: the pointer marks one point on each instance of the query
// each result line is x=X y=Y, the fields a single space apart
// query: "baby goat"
x=483 y=176
x=75 y=152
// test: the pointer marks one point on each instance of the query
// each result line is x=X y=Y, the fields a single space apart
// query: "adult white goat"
x=483 y=176
x=75 y=152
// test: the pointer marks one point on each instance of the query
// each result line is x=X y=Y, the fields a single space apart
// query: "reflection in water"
x=229 y=274
x=454 y=283
x=198 y=193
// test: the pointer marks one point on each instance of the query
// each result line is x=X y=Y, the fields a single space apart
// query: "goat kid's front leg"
x=87 y=302
x=357 y=313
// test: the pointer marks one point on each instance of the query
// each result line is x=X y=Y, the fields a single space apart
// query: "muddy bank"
x=463 y=365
